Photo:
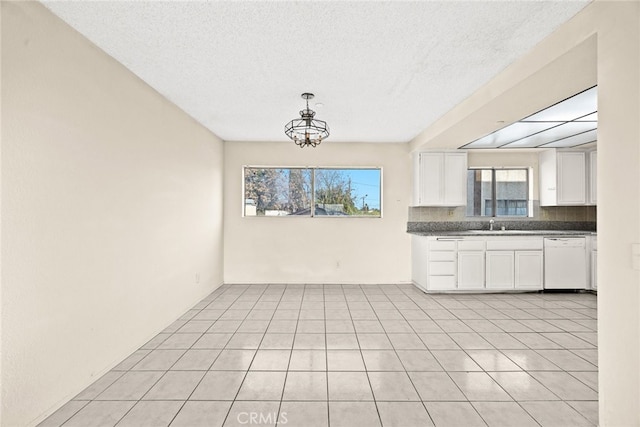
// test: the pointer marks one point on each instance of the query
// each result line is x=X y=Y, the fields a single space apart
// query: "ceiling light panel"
x=509 y=134
x=593 y=117
x=575 y=140
x=562 y=131
x=570 y=109
x=568 y=123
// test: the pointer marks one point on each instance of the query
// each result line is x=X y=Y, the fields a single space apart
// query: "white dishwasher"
x=565 y=263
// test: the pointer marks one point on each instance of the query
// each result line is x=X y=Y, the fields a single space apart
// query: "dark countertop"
x=493 y=233
x=513 y=228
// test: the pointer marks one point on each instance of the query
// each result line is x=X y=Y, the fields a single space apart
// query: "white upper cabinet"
x=429 y=179
x=455 y=179
x=440 y=179
x=593 y=177
x=571 y=178
x=563 y=178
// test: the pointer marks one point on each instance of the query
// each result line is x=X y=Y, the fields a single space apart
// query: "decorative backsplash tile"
x=426 y=219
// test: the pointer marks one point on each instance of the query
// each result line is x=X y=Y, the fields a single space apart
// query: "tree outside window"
x=312 y=192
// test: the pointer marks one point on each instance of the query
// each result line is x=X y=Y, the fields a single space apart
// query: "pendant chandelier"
x=307 y=131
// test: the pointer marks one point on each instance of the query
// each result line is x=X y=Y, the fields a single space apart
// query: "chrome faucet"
x=491 y=224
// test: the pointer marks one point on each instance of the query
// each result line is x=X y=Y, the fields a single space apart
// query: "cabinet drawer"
x=471 y=245
x=514 y=245
x=442 y=268
x=442 y=245
x=442 y=256
x=442 y=282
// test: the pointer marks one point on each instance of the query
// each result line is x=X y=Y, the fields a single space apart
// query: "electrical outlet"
x=197 y=277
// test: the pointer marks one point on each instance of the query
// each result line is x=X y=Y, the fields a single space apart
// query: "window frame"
x=494 y=187
x=313 y=170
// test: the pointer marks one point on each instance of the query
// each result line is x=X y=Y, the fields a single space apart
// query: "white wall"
x=318 y=250
x=618 y=212
x=605 y=34
x=111 y=203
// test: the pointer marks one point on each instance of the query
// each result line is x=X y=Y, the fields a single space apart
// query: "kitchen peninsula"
x=471 y=257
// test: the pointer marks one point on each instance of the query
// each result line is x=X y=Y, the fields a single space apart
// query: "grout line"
x=73 y=414
x=552 y=307
x=498 y=384
x=395 y=350
x=326 y=353
x=165 y=372
x=366 y=370
x=293 y=342
x=214 y=360
x=220 y=350
x=482 y=370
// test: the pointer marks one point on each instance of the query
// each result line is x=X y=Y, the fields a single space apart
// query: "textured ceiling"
x=384 y=71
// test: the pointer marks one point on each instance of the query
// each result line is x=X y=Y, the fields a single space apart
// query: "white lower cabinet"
x=441 y=265
x=529 y=270
x=471 y=270
x=441 y=283
x=419 y=250
x=515 y=270
x=477 y=263
x=433 y=263
x=500 y=269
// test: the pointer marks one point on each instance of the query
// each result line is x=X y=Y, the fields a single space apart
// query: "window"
x=312 y=192
x=497 y=192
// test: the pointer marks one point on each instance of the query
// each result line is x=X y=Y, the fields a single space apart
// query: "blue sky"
x=365 y=182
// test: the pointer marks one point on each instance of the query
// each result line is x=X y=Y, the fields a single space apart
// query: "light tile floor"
x=357 y=355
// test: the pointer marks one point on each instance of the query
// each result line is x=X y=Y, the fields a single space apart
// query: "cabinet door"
x=528 y=270
x=593 y=177
x=430 y=181
x=500 y=269
x=455 y=179
x=470 y=270
x=547 y=175
x=571 y=178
